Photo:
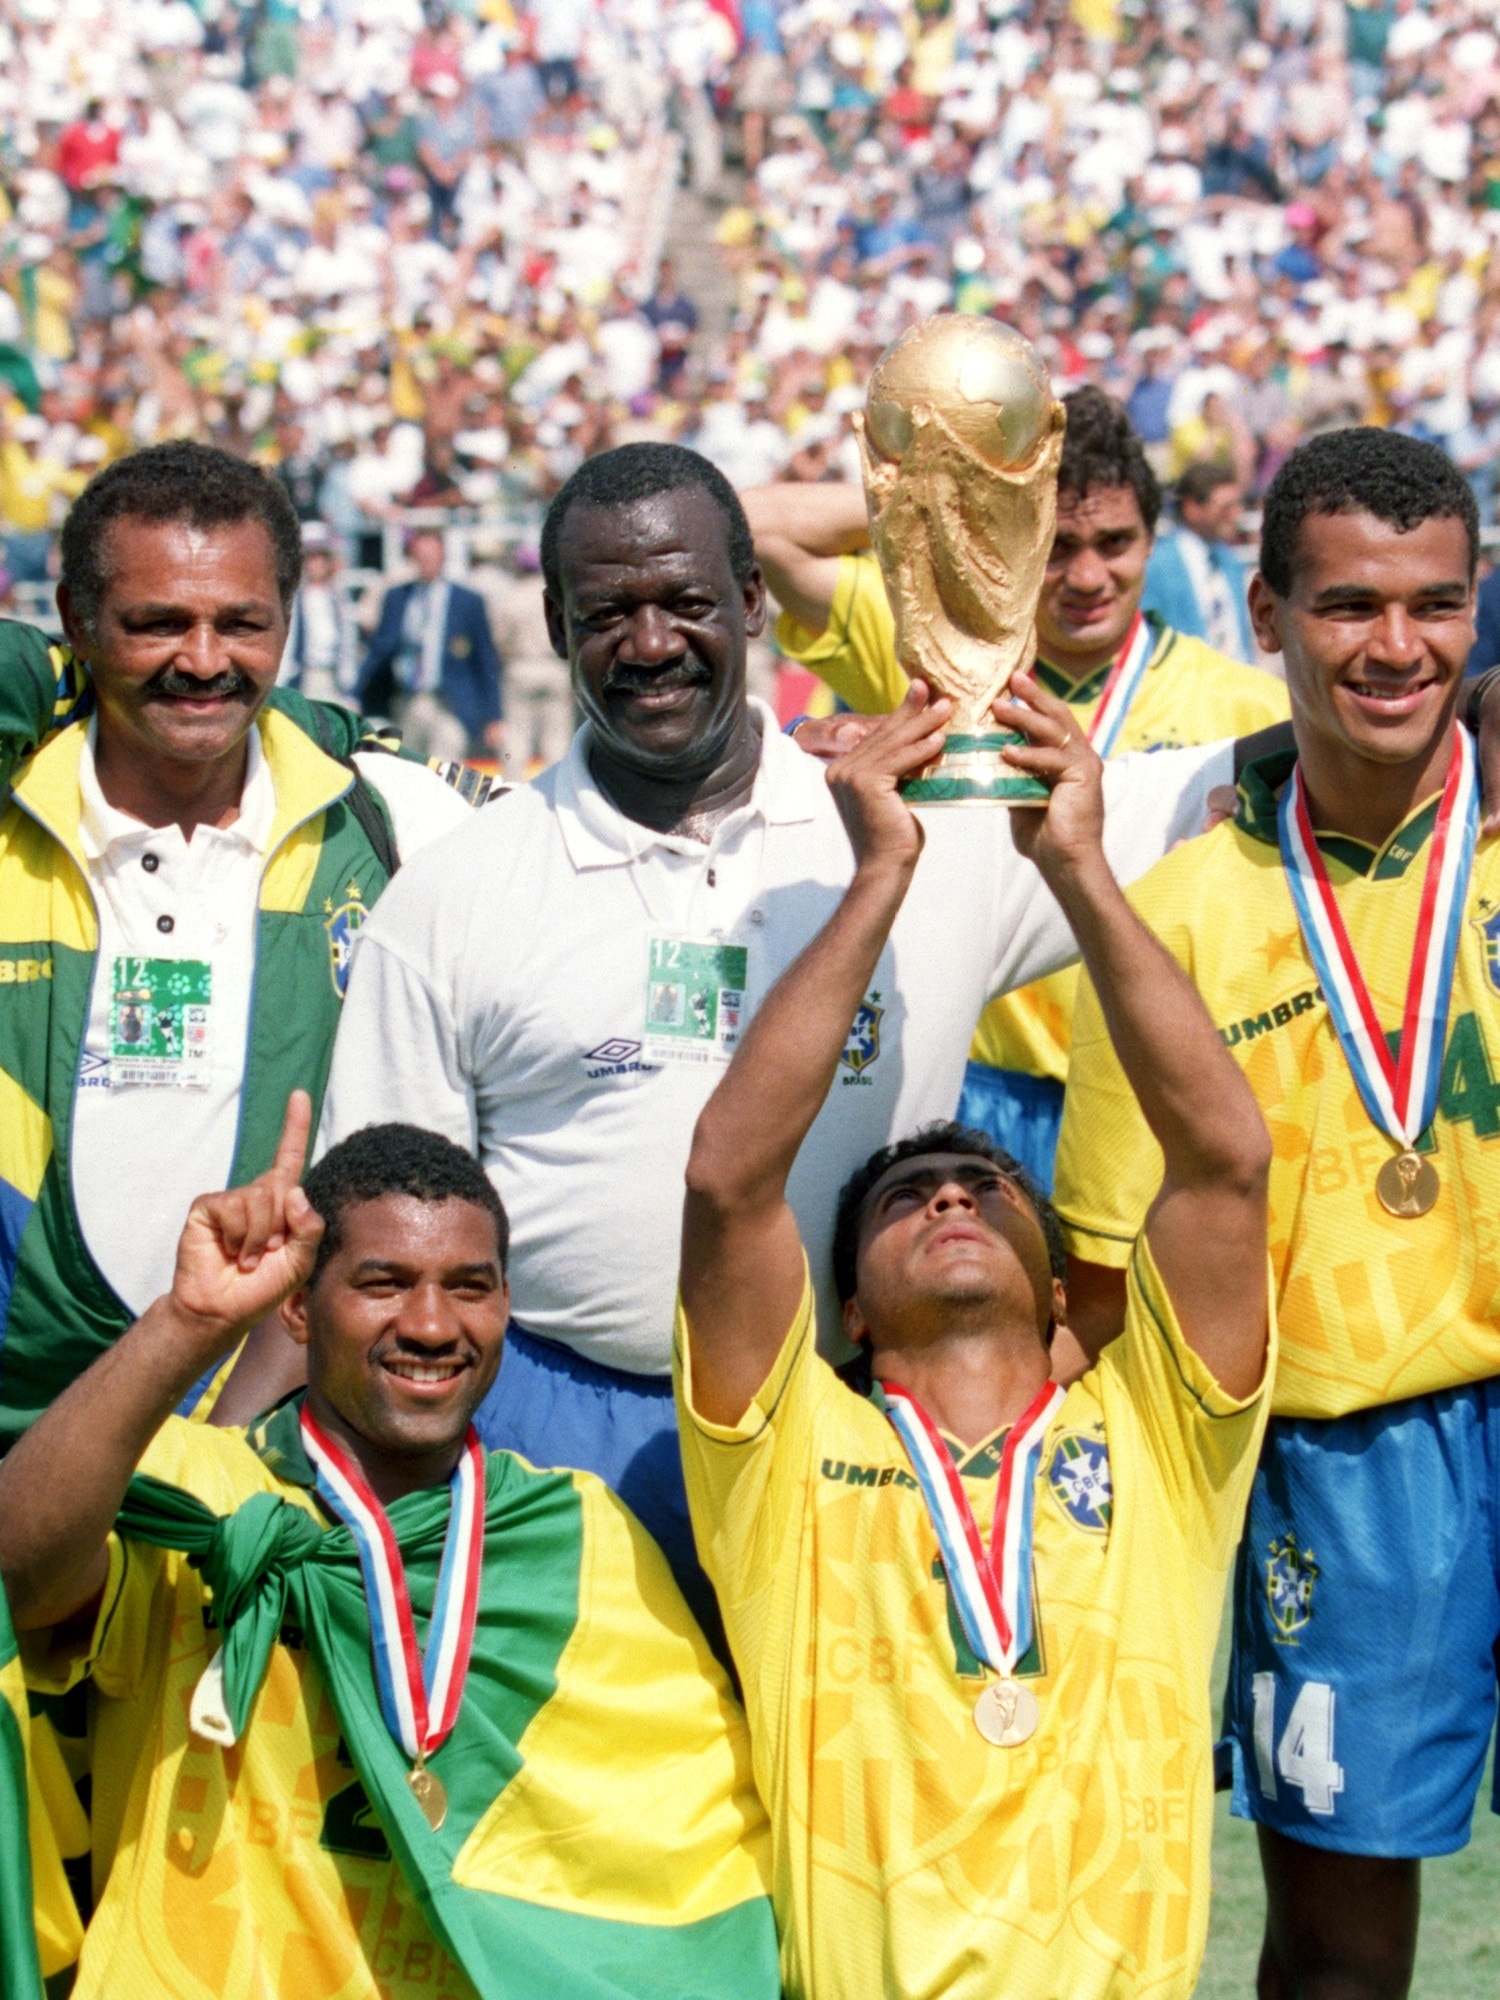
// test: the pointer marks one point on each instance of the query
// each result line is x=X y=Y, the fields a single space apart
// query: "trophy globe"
x=960 y=440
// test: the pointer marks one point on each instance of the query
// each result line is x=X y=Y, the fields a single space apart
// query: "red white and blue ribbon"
x=991 y=1587
x=1400 y=1093
x=1120 y=689
x=420 y=1694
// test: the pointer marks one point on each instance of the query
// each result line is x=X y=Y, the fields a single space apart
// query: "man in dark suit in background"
x=432 y=665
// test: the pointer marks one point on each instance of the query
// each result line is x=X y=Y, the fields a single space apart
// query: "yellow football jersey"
x=909 y=1856
x=1191 y=694
x=262 y=1871
x=1372 y=1308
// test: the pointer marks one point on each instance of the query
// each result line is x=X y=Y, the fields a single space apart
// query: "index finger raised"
x=291 y=1147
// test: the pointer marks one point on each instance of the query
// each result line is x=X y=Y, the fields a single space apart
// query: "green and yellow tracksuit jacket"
x=325 y=866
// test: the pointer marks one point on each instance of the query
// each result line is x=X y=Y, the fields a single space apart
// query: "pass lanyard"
x=991 y=1587
x=420 y=1694
x=1400 y=1094
x=1121 y=687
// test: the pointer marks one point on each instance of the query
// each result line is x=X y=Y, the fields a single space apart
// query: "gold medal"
x=1407 y=1186
x=1006 y=1714
x=428 y=1791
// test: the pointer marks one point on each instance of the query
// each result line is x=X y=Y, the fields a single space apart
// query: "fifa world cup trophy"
x=960 y=441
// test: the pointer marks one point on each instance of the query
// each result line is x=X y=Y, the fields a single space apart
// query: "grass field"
x=1458 y=1957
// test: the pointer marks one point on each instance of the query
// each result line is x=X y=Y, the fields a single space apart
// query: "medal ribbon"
x=992 y=1588
x=1120 y=688
x=420 y=1695
x=1400 y=1095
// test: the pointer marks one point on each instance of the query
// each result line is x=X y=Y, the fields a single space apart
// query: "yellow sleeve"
x=855 y=653
x=1202 y=1442
x=746 y=1482
x=112 y=1651
x=1109 y=1167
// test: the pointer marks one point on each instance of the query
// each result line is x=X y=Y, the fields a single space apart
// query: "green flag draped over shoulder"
x=20 y=1971
x=272 y=1561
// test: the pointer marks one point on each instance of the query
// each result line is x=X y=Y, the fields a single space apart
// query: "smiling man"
x=1343 y=932
x=1133 y=683
x=974 y=1613
x=541 y=1791
x=183 y=866
x=561 y=984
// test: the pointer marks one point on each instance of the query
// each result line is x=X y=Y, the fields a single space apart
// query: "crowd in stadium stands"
x=410 y=256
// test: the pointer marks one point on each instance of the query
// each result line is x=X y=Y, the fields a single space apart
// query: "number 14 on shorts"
x=1303 y=1756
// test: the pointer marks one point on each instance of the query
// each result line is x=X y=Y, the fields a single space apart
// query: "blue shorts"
x=556 y=1408
x=1021 y=1113
x=1366 y=1619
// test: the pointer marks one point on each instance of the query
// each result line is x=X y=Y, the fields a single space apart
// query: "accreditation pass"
x=160 y=1022
x=695 y=999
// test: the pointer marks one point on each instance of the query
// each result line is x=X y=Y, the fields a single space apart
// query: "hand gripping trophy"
x=960 y=441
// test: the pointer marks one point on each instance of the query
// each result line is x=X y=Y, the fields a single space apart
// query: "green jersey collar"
x=1260 y=787
x=1078 y=694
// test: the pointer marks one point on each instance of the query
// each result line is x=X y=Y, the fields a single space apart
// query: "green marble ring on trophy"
x=960 y=440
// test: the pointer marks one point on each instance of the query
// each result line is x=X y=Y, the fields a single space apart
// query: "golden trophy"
x=960 y=441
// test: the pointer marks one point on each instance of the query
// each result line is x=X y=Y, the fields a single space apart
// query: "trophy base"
x=972 y=772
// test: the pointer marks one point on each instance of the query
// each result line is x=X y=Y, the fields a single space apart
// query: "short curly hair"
x=180 y=481
x=942 y=1136
x=633 y=472
x=1101 y=448
x=397 y=1159
x=1399 y=479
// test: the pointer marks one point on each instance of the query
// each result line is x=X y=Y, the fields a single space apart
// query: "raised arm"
x=801 y=529
x=1207 y=1225
x=741 y=1254
x=61 y=1486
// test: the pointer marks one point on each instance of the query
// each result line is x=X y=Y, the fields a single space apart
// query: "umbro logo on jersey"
x=616 y=1057
x=1273 y=1017
x=866 y=1475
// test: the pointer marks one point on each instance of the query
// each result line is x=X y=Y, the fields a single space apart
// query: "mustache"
x=173 y=684
x=626 y=676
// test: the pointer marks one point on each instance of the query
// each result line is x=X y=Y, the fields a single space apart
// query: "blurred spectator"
x=1195 y=582
x=675 y=319
x=321 y=659
x=432 y=667
x=35 y=488
x=538 y=694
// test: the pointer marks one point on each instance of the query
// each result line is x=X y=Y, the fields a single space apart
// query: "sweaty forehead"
x=1103 y=510
x=680 y=531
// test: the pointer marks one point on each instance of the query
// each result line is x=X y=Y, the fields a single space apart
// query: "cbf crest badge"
x=1291 y=1572
x=863 y=1045
x=1487 y=923
x=343 y=926
x=1080 y=1479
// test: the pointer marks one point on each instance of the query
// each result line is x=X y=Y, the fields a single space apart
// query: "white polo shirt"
x=558 y=988
x=158 y=1105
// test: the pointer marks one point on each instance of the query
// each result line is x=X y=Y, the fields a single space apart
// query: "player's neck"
x=389 y=1474
x=692 y=805
x=969 y=1383
x=159 y=790
x=1075 y=663
x=1352 y=795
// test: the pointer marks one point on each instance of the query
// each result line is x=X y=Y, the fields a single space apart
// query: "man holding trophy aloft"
x=684 y=851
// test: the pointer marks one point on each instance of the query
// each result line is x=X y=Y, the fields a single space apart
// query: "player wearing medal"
x=1344 y=932
x=1132 y=682
x=974 y=1612
x=457 y=1733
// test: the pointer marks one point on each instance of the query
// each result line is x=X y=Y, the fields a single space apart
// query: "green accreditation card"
x=695 y=1000
x=160 y=1022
